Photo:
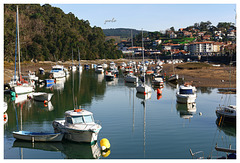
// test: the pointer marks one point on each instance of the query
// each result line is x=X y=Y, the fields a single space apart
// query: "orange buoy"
x=77 y=110
x=159 y=91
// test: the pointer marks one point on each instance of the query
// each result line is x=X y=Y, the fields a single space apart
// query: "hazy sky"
x=151 y=17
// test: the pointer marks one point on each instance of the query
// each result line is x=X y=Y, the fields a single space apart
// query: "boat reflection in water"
x=71 y=150
x=186 y=111
x=44 y=105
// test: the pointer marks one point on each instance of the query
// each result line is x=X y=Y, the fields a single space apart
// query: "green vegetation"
x=122 y=32
x=47 y=33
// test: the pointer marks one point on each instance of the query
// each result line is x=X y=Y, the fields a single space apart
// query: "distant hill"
x=122 y=32
x=47 y=33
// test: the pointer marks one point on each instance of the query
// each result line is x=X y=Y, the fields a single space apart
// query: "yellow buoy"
x=104 y=143
x=106 y=154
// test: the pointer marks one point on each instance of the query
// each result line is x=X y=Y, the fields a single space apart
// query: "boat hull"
x=131 y=79
x=49 y=82
x=225 y=117
x=143 y=89
x=59 y=74
x=185 y=99
x=23 y=89
x=86 y=136
x=37 y=136
x=109 y=77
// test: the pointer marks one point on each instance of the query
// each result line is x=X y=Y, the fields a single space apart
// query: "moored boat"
x=37 y=136
x=42 y=96
x=186 y=94
x=99 y=69
x=49 y=82
x=131 y=78
x=78 y=126
x=227 y=113
x=109 y=75
x=57 y=71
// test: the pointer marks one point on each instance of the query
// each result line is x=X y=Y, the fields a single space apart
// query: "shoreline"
x=216 y=77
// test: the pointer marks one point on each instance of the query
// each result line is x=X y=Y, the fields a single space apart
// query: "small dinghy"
x=37 y=136
x=42 y=96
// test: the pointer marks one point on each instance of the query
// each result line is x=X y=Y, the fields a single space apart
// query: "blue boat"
x=37 y=136
x=49 y=82
x=86 y=67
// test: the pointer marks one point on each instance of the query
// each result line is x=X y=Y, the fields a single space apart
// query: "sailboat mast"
x=78 y=56
x=72 y=56
x=15 y=69
x=143 y=59
x=19 y=70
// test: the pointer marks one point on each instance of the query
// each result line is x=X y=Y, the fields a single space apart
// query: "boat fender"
x=45 y=103
x=105 y=144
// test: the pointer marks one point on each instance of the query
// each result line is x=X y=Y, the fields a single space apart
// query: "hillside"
x=122 y=32
x=47 y=33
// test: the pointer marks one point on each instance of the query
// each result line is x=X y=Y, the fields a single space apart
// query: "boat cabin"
x=78 y=116
x=57 y=68
x=186 y=89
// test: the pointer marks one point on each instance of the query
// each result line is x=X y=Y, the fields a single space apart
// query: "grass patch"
x=191 y=66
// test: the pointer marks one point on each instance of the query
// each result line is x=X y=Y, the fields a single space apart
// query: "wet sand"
x=217 y=77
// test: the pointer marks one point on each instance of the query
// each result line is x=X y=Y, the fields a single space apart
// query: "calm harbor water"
x=136 y=126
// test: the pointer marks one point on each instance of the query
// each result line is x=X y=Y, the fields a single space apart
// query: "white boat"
x=173 y=78
x=37 y=136
x=158 y=80
x=58 y=71
x=112 y=65
x=74 y=68
x=99 y=69
x=42 y=96
x=143 y=88
x=109 y=76
x=22 y=89
x=104 y=65
x=32 y=76
x=227 y=113
x=130 y=78
x=78 y=126
x=186 y=94
x=18 y=84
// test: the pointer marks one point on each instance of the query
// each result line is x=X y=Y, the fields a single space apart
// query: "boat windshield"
x=186 y=91
x=56 y=69
x=82 y=119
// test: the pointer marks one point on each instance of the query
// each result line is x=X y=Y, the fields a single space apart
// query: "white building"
x=201 y=48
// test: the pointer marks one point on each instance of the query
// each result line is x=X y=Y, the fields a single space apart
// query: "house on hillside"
x=173 y=35
x=170 y=46
x=201 y=48
x=157 y=42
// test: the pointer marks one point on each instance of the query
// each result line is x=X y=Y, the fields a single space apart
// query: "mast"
x=143 y=60
x=72 y=57
x=19 y=70
x=15 y=69
x=78 y=57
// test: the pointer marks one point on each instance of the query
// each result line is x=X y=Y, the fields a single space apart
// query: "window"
x=88 y=119
x=77 y=119
x=186 y=91
x=69 y=120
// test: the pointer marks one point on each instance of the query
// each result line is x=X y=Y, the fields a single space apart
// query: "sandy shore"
x=217 y=77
